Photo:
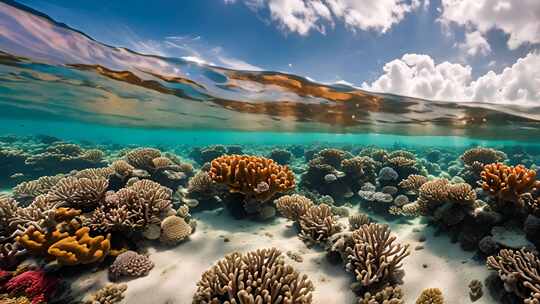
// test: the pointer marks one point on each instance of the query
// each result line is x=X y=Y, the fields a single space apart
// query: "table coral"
x=238 y=278
x=255 y=177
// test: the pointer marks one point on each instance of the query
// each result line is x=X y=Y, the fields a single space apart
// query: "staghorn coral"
x=255 y=177
x=318 y=224
x=374 y=258
x=132 y=208
x=293 y=206
x=357 y=220
x=507 y=183
x=109 y=294
x=259 y=276
x=430 y=296
x=174 y=229
x=81 y=193
x=10 y=255
x=33 y=284
x=388 y=295
x=122 y=168
x=95 y=173
x=413 y=182
x=130 y=264
x=9 y=212
x=519 y=270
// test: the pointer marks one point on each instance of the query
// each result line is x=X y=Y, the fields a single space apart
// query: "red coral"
x=35 y=284
x=4 y=276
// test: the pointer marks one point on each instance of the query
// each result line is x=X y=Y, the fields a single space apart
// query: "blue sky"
x=327 y=40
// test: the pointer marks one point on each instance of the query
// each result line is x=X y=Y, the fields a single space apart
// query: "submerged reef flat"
x=107 y=223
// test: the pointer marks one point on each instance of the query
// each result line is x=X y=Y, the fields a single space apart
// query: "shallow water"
x=69 y=103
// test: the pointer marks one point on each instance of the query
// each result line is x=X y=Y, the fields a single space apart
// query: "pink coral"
x=34 y=284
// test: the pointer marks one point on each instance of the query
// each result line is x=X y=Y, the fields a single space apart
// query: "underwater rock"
x=531 y=227
x=510 y=237
x=488 y=246
x=401 y=200
x=387 y=174
x=389 y=190
x=280 y=156
x=368 y=187
x=330 y=178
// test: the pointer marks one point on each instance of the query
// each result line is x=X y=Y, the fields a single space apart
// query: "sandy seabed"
x=173 y=280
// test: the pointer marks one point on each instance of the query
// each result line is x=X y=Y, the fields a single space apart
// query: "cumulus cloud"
x=304 y=16
x=419 y=76
x=475 y=44
x=520 y=19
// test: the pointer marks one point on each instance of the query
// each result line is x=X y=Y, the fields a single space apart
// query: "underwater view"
x=184 y=152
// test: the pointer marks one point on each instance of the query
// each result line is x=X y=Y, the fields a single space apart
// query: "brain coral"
x=110 y=294
x=174 y=229
x=256 y=177
x=259 y=276
x=388 y=295
x=130 y=264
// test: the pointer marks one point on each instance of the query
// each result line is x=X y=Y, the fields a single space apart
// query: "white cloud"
x=195 y=59
x=418 y=76
x=303 y=16
x=520 y=19
x=475 y=44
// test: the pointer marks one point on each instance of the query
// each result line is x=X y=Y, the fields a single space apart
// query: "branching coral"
x=34 y=284
x=357 y=220
x=413 y=182
x=110 y=294
x=519 y=270
x=508 y=183
x=431 y=296
x=255 y=177
x=442 y=200
x=81 y=193
x=132 y=208
x=130 y=264
x=388 y=295
x=318 y=224
x=375 y=258
x=293 y=206
x=9 y=211
x=255 y=277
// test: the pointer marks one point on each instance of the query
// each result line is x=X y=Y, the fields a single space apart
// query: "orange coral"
x=507 y=183
x=67 y=249
x=253 y=176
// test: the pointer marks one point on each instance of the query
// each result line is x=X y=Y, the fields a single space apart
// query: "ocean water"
x=69 y=103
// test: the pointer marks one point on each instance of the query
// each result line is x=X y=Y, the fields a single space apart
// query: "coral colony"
x=80 y=207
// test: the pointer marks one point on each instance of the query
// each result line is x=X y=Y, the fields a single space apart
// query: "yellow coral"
x=81 y=248
x=67 y=249
x=253 y=176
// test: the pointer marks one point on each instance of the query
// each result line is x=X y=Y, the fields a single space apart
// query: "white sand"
x=178 y=269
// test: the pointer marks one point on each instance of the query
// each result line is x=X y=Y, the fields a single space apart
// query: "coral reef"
x=35 y=285
x=519 y=270
x=430 y=296
x=293 y=206
x=130 y=264
x=388 y=295
x=318 y=224
x=109 y=294
x=80 y=193
x=259 y=276
x=374 y=258
x=474 y=161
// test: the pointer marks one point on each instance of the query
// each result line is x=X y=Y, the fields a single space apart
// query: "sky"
x=461 y=50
